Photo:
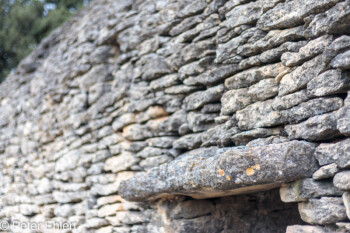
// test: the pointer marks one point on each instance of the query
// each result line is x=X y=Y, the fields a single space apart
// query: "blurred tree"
x=24 y=23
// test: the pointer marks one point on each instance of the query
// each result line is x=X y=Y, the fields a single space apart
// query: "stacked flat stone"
x=133 y=110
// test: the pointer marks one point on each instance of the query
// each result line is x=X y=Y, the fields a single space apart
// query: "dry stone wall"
x=182 y=116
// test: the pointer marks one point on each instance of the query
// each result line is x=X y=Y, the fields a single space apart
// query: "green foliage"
x=24 y=23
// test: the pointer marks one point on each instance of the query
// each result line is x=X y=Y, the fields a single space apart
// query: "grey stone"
x=304 y=229
x=212 y=172
x=164 y=82
x=342 y=61
x=261 y=114
x=68 y=161
x=326 y=210
x=298 y=79
x=96 y=91
x=155 y=161
x=289 y=14
x=326 y=171
x=329 y=83
x=235 y=100
x=305 y=189
x=189 y=141
x=248 y=13
x=121 y=162
x=346 y=200
x=316 y=128
x=212 y=76
x=244 y=137
x=161 y=142
x=342 y=180
x=191 y=209
x=289 y=101
x=312 y=49
x=154 y=67
x=253 y=75
x=272 y=39
x=334 y=153
x=228 y=50
x=198 y=122
x=181 y=89
x=198 y=99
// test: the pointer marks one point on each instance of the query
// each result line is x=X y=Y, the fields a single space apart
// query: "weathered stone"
x=198 y=99
x=121 y=162
x=191 y=209
x=68 y=197
x=328 y=83
x=155 y=161
x=212 y=76
x=228 y=50
x=346 y=200
x=244 y=137
x=248 y=13
x=189 y=141
x=198 y=122
x=312 y=49
x=304 y=229
x=235 y=100
x=181 y=89
x=342 y=180
x=161 y=142
x=154 y=67
x=288 y=14
x=288 y=101
x=272 y=39
x=164 y=82
x=316 y=128
x=299 y=78
x=326 y=210
x=253 y=75
x=68 y=161
x=334 y=153
x=325 y=172
x=95 y=223
x=212 y=172
x=342 y=61
x=305 y=189
x=261 y=114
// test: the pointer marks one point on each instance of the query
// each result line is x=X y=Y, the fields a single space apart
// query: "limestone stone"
x=338 y=153
x=315 y=128
x=346 y=200
x=298 y=79
x=332 y=21
x=342 y=180
x=288 y=14
x=328 y=83
x=304 y=229
x=212 y=76
x=235 y=100
x=341 y=61
x=198 y=99
x=326 y=210
x=120 y=162
x=212 y=168
x=312 y=49
x=305 y=189
x=325 y=172
x=189 y=141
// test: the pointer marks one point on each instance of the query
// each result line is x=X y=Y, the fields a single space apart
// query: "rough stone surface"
x=165 y=101
x=223 y=171
x=323 y=211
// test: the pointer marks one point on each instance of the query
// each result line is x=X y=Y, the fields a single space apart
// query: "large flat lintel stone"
x=215 y=172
